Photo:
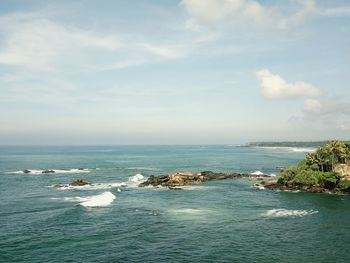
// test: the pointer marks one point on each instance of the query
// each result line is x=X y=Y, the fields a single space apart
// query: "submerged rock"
x=79 y=182
x=187 y=178
x=26 y=171
x=48 y=172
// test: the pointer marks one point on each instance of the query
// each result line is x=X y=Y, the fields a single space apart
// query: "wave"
x=191 y=211
x=100 y=200
x=143 y=168
x=133 y=181
x=257 y=173
x=288 y=213
x=51 y=171
x=303 y=150
x=95 y=186
x=292 y=149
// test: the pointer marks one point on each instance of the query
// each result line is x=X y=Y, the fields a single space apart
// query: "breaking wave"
x=257 y=173
x=99 y=200
x=133 y=181
x=51 y=171
x=292 y=149
x=288 y=213
x=88 y=186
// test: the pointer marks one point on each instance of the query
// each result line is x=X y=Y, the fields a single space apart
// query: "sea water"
x=113 y=220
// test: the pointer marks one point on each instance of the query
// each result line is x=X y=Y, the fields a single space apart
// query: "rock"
x=26 y=171
x=79 y=182
x=188 y=178
x=48 y=171
x=175 y=188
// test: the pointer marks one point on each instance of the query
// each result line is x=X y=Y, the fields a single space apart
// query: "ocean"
x=115 y=221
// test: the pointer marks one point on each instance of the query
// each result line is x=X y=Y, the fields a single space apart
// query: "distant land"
x=312 y=144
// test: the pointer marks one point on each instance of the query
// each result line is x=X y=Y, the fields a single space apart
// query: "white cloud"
x=312 y=106
x=208 y=12
x=336 y=11
x=165 y=51
x=36 y=42
x=308 y=7
x=211 y=11
x=326 y=106
x=329 y=111
x=275 y=87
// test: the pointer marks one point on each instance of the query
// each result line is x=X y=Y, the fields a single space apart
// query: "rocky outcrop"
x=343 y=170
x=175 y=180
x=48 y=171
x=77 y=182
x=310 y=188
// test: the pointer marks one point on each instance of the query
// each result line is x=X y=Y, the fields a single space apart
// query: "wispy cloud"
x=243 y=12
x=338 y=11
x=329 y=111
x=37 y=42
x=275 y=87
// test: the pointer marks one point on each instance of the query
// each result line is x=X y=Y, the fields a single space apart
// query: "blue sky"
x=173 y=72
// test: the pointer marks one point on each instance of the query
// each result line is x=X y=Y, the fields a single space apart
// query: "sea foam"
x=100 y=200
x=51 y=171
x=95 y=186
x=257 y=173
x=135 y=180
x=288 y=213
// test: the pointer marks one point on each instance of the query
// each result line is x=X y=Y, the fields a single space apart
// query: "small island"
x=176 y=180
x=326 y=170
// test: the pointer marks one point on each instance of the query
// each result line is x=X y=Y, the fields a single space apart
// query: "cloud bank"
x=275 y=87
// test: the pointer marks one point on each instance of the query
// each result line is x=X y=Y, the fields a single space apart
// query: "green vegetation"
x=317 y=170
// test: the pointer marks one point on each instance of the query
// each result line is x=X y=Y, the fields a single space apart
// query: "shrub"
x=328 y=180
x=306 y=178
x=344 y=184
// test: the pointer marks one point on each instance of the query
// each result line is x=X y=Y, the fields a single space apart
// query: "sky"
x=173 y=72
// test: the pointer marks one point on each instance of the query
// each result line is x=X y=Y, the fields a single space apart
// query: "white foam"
x=292 y=149
x=259 y=186
x=58 y=171
x=142 y=168
x=257 y=173
x=303 y=150
x=191 y=211
x=100 y=200
x=272 y=175
x=288 y=213
x=135 y=180
x=89 y=186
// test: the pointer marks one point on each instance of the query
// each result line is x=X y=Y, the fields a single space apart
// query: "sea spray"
x=99 y=200
x=288 y=213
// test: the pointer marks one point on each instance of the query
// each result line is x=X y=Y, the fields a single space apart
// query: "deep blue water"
x=219 y=221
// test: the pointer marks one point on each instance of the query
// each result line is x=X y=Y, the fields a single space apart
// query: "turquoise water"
x=219 y=221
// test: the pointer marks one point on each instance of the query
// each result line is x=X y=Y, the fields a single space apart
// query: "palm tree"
x=337 y=151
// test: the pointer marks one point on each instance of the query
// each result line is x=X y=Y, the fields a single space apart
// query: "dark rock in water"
x=48 y=172
x=80 y=169
x=79 y=182
x=175 y=188
x=26 y=171
x=309 y=188
x=188 y=178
